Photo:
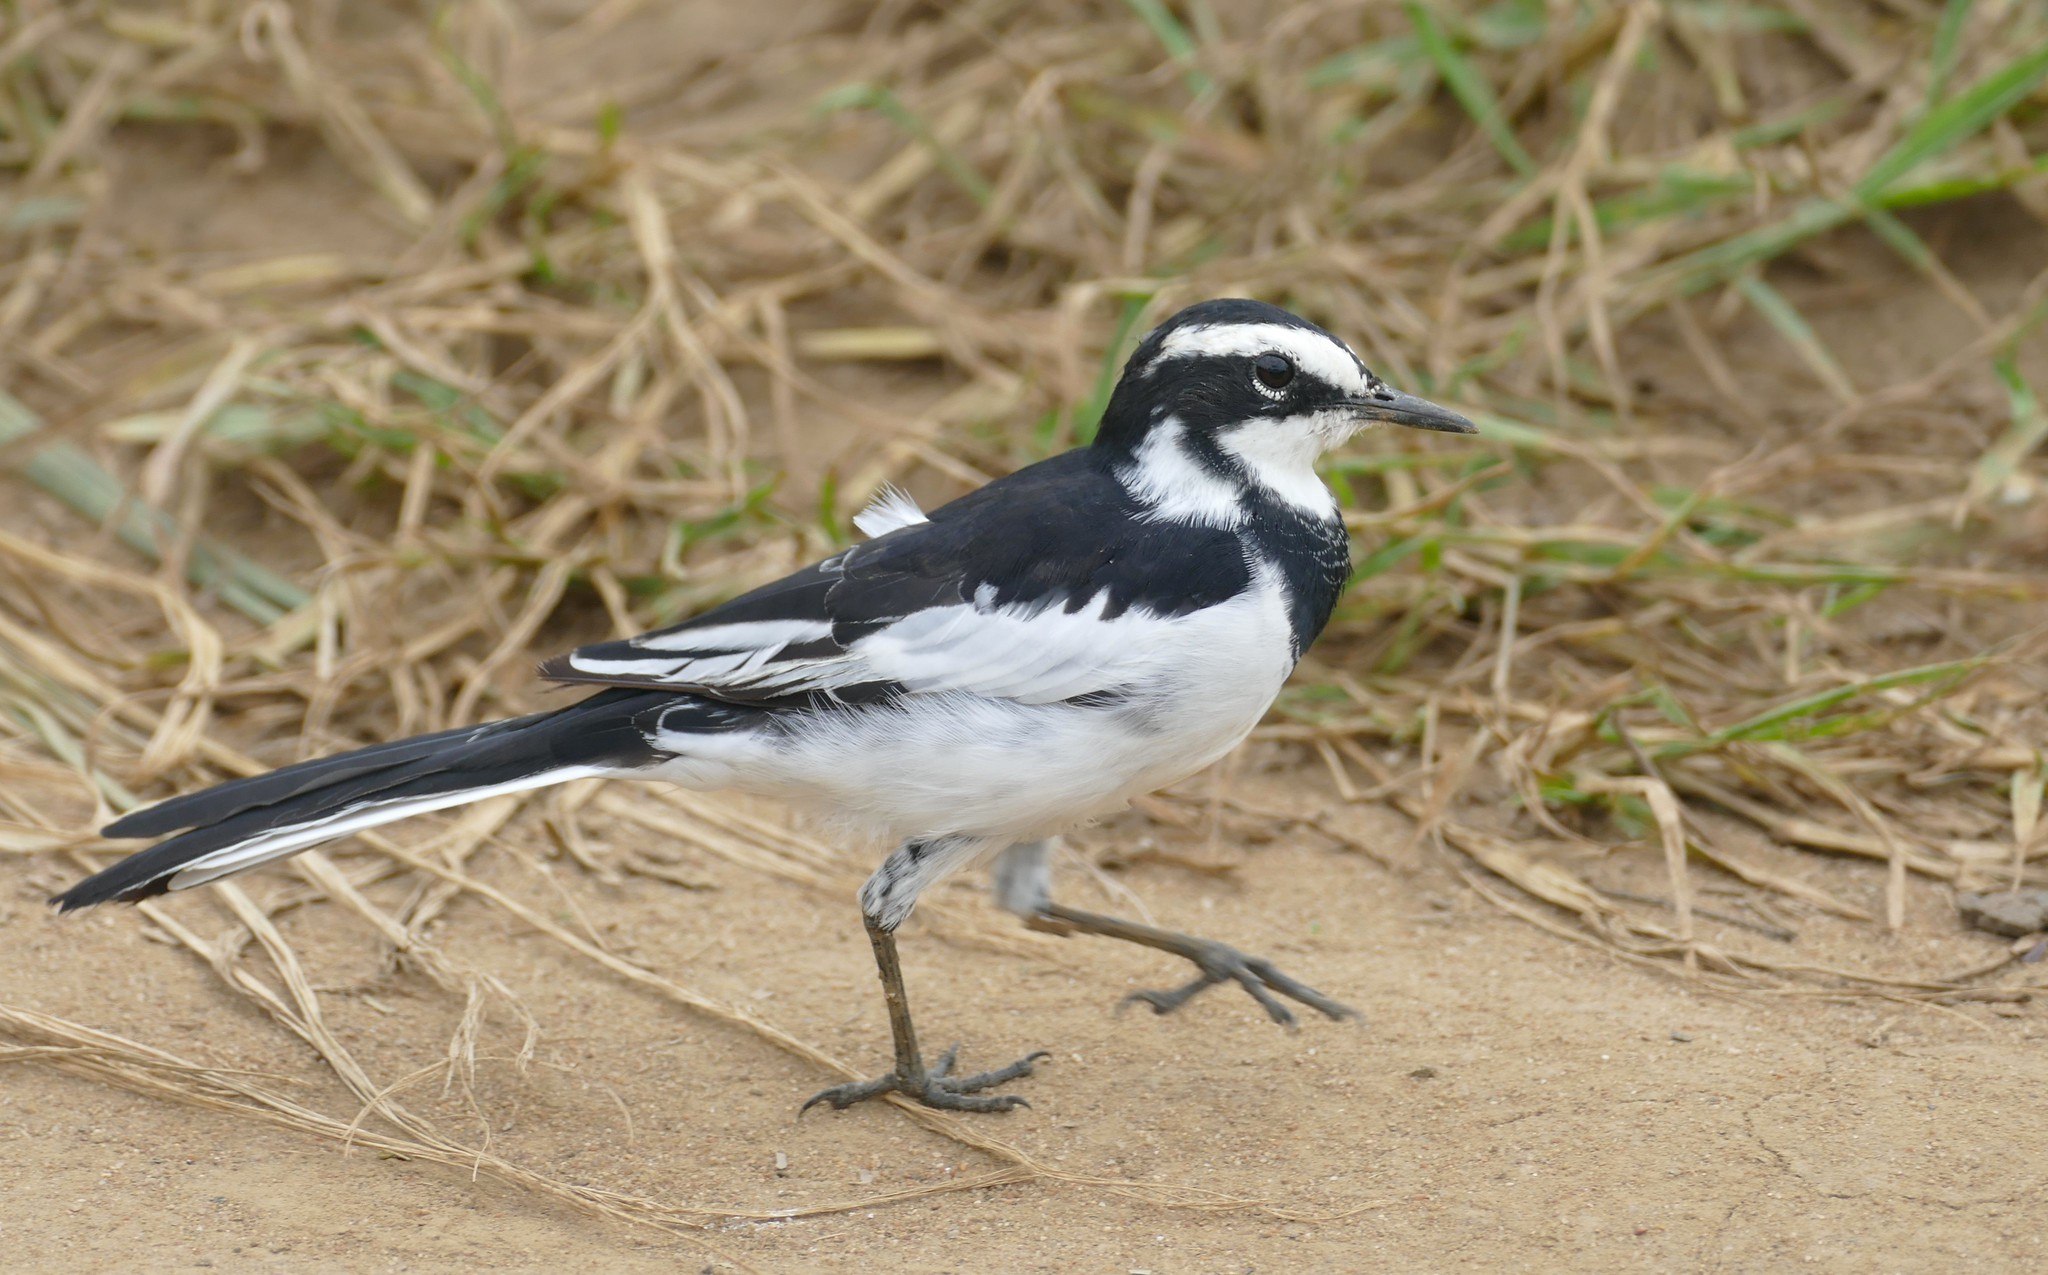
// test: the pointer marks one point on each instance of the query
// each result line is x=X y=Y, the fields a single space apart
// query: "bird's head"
x=1233 y=392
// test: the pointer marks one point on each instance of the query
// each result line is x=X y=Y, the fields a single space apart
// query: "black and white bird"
x=966 y=684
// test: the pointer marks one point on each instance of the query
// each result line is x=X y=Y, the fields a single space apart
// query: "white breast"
x=1218 y=680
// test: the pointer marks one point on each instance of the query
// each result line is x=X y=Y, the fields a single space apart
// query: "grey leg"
x=1023 y=884
x=885 y=905
x=1218 y=963
x=1021 y=877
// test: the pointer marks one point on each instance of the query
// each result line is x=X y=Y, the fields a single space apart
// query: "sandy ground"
x=1510 y=1099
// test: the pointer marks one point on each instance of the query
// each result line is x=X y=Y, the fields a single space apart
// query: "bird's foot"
x=936 y=1086
x=1221 y=963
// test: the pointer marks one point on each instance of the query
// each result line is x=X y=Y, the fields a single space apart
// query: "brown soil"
x=1510 y=1100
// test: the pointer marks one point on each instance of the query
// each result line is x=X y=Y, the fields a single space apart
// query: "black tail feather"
x=211 y=805
x=608 y=730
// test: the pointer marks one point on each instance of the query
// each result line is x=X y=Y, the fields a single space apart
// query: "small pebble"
x=1683 y=1038
x=2013 y=913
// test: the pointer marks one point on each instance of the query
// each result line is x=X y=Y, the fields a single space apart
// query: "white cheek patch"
x=1323 y=357
x=1280 y=455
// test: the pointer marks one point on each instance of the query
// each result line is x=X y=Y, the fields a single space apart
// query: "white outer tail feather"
x=281 y=843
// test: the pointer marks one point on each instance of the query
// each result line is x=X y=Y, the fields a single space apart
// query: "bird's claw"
x=936 y=1086
x=1260 y=978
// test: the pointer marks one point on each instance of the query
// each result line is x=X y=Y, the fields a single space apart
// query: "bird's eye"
x=1274 y=371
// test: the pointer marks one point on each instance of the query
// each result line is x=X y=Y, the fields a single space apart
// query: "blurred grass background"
x=356 y=354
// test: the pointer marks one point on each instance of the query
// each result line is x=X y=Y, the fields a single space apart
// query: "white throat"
x=1280 y=455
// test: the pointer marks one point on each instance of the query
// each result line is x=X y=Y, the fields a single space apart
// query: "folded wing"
x=1035 y=588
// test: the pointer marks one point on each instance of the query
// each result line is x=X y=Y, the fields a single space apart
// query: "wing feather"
x=1038 y=588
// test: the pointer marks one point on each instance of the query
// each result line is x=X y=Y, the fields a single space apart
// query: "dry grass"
x=567 y=349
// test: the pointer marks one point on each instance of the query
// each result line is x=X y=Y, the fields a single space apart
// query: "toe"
x=840 y=1097
x=1255 y=987
x=1001 y=1075
x=1169 y=1001
x=1159 y=1002
x=950 y=1100
x=1259 y=978
x=1300 y=991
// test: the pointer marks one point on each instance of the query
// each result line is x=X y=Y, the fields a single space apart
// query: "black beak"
x=1397 y=408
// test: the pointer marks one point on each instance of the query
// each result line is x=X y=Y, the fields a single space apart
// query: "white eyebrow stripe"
x=1324 y=357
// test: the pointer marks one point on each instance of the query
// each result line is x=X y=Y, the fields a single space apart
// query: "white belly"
x=957 y=764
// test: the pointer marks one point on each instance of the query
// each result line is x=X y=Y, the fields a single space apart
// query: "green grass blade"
x=1942 y=190
x=1958 y=119
x=1947 y=46
x=1899 y=237
x=1471 y=88
x=1715 y=263
x=1940 y=131
x=2028 y=428
x=1743 y=19
x=68 y=473
x=1378 y=65
x=882 y=102
x=1676 y=193
x=1810 y=717
x=1387 y=557
x=1785 y=317
x=29 y=708
x=1179 y=44
x=1089 y=416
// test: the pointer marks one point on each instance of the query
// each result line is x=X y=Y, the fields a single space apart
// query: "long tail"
x=245 y=822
